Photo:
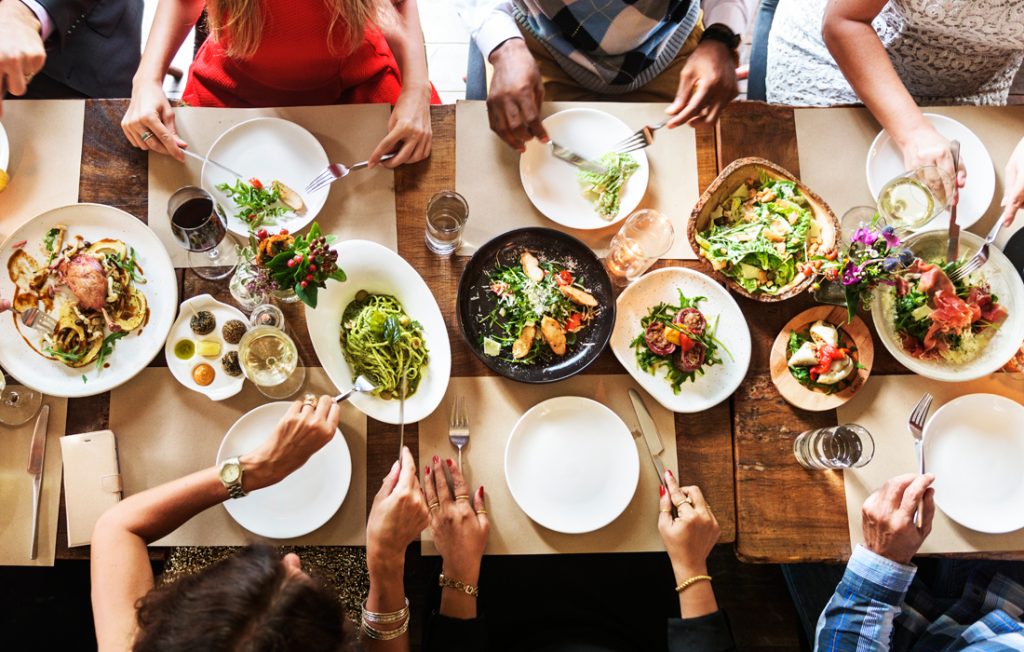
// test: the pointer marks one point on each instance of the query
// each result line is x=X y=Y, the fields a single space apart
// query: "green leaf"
x=338 y=275
x=306 y=294
x=107 y=348
x=314 y=231
x=392 y=330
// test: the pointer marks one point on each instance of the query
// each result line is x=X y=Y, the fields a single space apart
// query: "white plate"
x=223 y=385
x=551 y=183
x=885 y=162
x=1005 y=284
x=304 y=500
x=973 y=446
x=605 y=464
x=268 y=149
x=378 y=270
x=719 y=381
x=131 y=354
x=5 y=149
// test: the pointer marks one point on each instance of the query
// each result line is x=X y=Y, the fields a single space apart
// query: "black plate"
x=474 y=301
x=1014 y=250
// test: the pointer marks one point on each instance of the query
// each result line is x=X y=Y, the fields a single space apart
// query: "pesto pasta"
x=383 y=343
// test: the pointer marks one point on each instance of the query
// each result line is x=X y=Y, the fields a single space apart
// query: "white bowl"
x=378 y=270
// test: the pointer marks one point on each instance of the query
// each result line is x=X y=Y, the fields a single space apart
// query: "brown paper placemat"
x=487 y=175
x=165 y=431
x=16 y=487
x=497 y=404
x=45 y=137
x=841 y=179
x=362 y=206
x=883 y=406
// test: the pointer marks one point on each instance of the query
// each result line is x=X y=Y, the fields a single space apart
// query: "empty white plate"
x=268 y=149
x=551 y=183
x=885 y=162
x=303 y=501
x=571 y=464
x=5 y=149
x=974 y=446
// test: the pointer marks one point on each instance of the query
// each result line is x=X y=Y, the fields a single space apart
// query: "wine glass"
x=199 y=227
x=17 y=404
x=270 y=359
x=916 y=197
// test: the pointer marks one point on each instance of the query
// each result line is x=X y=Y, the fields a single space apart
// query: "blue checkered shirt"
x=875 y=610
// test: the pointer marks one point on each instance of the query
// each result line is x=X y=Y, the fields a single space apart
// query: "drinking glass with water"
x=846 y=446
x=447 y=213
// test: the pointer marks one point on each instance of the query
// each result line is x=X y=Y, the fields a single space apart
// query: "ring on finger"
x=684 y=501
x=434 y=505
x=145 y=135
x=310 y=400
x=665 y=511
x=481 y=511
x=462 y=497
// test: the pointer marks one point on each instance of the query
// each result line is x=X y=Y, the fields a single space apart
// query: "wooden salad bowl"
x=731 y=178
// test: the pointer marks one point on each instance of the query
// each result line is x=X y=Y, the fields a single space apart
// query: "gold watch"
x=231 y=477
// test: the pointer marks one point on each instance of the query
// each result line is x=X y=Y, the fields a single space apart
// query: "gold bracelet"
x=385 y=635
x=449 y=583
x=690 y=582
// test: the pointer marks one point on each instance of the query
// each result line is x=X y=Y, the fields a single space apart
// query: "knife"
x=573 y=158
x=953 y=250
x=401 y=418
x=213 y=163
x=36 y=455
x=650 y=432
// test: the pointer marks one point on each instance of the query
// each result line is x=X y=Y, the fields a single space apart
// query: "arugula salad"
x=678 y=338
x=605 y=189
x=761 y=235
x=259 y=205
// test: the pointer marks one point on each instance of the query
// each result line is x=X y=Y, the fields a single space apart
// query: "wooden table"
x=115 y=174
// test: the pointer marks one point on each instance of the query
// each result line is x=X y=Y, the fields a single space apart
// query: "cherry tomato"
x=564 y=277
x=256 y=183
x=572 y=324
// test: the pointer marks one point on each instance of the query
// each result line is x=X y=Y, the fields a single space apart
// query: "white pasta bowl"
x=378 y=270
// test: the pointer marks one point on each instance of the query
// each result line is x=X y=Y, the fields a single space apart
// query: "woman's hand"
x=458 y=520
x=408 y=129
x=302 y=431
x=690 y=537
x=925 y=146
x=398 y=515
x=1013 y=184
x=150 y=113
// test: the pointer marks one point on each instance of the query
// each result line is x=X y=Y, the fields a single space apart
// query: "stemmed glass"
x=200 y=228
x=916 y=197
x=17 y=405
x=270 y=359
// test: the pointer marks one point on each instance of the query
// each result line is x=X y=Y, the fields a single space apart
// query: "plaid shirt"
x=874 y=609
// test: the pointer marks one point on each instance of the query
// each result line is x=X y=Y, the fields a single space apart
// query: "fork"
x=458 y=428
x=641 y=139
x=39 y=320
x=362 y=384
x=916 y=426
x=978 y=259
x=336 y=171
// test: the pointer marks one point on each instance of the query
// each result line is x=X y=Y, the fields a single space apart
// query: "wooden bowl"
x=731 y=178
x=805 y=397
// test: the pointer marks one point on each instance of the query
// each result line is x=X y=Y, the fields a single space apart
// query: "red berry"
x=284 y=231
x=309 y=277
x=291 y=263
x=262 y=234
x=312 y=268
x=304 y=284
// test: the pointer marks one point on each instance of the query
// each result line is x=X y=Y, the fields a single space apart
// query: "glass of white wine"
x=270 y=359
x=916 y=197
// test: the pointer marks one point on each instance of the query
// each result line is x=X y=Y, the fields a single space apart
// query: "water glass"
x=447 y=213
x=916 y=197
x=646 y=236
x=199 y=228
x=846 y=446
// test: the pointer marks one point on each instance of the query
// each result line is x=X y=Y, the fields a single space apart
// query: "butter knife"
x=650 y=432
x=573 y=158
x=953 y=250
x=36 y=455
x=213 y=163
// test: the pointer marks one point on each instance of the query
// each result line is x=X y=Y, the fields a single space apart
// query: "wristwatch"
x=723 y=34
x=231 y=477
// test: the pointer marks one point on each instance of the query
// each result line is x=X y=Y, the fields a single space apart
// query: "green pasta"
x=382 y=343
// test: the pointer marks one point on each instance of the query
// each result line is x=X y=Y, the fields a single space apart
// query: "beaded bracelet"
x=690 y=582
x=449 y=583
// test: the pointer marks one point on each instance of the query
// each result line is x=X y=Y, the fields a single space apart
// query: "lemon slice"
x=3 y=179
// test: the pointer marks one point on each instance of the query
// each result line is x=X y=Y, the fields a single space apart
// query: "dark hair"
x=246 y=602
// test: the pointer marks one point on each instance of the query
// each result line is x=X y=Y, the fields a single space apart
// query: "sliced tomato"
x=256 y=183
x=573 y=323
x=564 y=277
x=656 y=342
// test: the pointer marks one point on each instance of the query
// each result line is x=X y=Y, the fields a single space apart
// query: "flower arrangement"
x=300 y=263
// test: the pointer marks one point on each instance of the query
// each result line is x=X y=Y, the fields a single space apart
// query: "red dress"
x=293 y=65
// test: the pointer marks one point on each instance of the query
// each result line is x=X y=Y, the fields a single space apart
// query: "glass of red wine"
x=200 y=228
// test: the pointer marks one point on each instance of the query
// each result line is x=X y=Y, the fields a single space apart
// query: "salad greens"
x=607 y=187
x=761 y=235
x=257 y=204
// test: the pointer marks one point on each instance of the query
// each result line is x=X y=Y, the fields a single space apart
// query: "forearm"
x=459 y=604
x=405 y=38
x=174 y=19
x=861 y=56
x=387 y=595
x=698 y=599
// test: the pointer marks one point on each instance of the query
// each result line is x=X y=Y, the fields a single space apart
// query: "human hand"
x=150 y=112
x=408 y=130
x=888 y=517
x=690 y=537
x=1013 y=193
x=22 y=53
x=515 y=96
x=459 y=526
x=398 y=515
x=302 y=431
x=925 y=146
x=707 y=84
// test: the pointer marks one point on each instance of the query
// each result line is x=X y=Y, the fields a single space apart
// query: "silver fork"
x=336 y=171
x=641 y=139
x=458 y=426
x=39 y=320
x=362 y=384
x=977 y=260
x=916 y=426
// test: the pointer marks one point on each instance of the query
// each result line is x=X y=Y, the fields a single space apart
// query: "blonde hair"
x=243 y=21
